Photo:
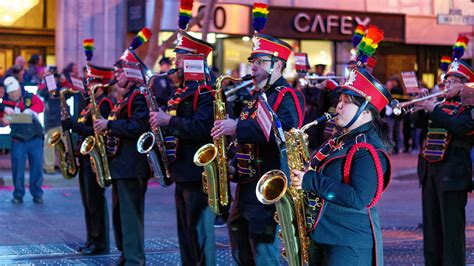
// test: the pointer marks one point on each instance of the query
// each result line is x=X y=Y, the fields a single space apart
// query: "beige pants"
x=48 y=151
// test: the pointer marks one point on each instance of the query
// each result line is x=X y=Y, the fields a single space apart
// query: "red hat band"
x=266 y=45
x=190 y=44
x=461 y=68
x=365 y=85
x=104 y=73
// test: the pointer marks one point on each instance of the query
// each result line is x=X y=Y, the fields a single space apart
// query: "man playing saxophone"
x=189 y=119
x=93 y=196
x=128 y=120
x=251 y=224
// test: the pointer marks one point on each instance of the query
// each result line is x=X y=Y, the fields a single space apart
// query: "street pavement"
x=48 y=234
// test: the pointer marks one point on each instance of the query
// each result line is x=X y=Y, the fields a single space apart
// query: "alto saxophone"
x=272 y=188
x=213 y=156
x=62 y=141
x=148 y=140
x=95 y=146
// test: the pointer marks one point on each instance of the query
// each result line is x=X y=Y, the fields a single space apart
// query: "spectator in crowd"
x=19 y=64
x=395 y=122
x=33 y=74
x=27 y=141
x=52 y=120
x=162 y=86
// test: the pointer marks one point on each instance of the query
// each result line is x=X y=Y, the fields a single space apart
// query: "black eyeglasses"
x=259 y=62
x=451 y=82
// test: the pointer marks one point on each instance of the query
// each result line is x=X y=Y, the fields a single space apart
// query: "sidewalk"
x=49 y=233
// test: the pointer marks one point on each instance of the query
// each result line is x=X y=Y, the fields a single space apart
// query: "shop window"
x=37 y=14
x=428 y=79
x=319 y=52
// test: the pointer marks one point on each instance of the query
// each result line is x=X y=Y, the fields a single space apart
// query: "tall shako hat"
x=95 y=73
x=361 y=83
x=264 y=44
x=458 y=67
x=187 y=43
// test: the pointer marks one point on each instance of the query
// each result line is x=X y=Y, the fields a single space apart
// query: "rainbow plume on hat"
x=444 y=63
x=142 y=37
x=359 y=33
x=260 y=14
x=88 y=45
x=459 y=47
x=369 y=43
x=185 y=9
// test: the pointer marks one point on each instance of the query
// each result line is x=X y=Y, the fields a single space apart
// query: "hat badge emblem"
x=256 y=43
x=351 y=78
x=179 y=40
x=454 y=66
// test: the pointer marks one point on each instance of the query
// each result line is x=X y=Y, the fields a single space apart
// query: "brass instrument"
x=213 y=156
x=311 y=80
x=409 y=106
x=240 y=86
x=272 y=188
x=147 y=141
x=95 y=146
x=62 y=141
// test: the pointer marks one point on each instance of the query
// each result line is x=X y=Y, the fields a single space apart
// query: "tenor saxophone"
x=148 y=140
x=213 y=156
x=62 y=141
x=274 y=188
x=95 y=146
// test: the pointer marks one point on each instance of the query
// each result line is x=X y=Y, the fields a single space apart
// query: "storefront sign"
x=331 y=25
x=136 y=15
x=455 y=17
x=226 y=18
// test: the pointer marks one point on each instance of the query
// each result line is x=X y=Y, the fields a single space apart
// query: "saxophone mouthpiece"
x=247 y=77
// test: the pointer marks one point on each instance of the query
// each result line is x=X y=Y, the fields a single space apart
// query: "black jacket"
x=192 y=127
x=128 y=162
x=455 y=170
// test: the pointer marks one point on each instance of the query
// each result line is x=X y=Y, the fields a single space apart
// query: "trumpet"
x=311 y=80
x=409 y=106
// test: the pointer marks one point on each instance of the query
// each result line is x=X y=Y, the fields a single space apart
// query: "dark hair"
x=380 y=125
x=396 y=78
x=68 y=68
x=34 y=59
x=283 y=62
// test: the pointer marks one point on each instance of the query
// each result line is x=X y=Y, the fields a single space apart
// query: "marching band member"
x=93 y=198
x=444 y=167
x=189 y=119
x=128 y=168
x=352 y=170
x=96 y=213
x=252 y=228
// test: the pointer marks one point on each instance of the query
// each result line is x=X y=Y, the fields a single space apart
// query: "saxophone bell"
x=271 y=187
x=87 y=145
x=206 y=157
x=54 y=139
x=146 y=142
